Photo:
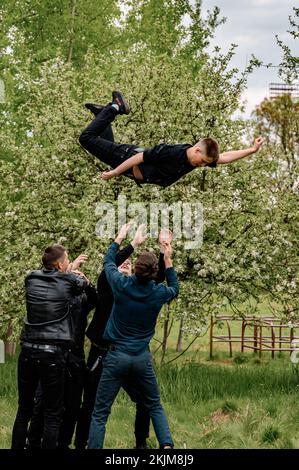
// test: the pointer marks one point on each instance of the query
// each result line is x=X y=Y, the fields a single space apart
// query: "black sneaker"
x=94 y=108
x=141 y=445
x=118 y=98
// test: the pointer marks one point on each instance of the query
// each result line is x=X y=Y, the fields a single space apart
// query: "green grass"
x=209 y=404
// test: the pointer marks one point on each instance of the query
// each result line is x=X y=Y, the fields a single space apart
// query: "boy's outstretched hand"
x=107 y=175
x=258 y=142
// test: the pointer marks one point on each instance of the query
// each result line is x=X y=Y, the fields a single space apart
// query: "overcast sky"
x=253 y=24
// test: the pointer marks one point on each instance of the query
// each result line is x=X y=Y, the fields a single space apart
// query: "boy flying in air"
x=162 y=164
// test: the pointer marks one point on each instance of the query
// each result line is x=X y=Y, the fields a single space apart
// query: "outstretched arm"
x=231 y=156
x=114 y=277
x=165 y=235
x=172 y=289
x=129 y=163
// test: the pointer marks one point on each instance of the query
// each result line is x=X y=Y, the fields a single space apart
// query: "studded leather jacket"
x=49 y=298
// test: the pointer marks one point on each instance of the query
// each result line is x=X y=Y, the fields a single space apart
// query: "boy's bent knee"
x=83 y=139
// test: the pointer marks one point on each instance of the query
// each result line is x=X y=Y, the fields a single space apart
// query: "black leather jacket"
x=49 y=298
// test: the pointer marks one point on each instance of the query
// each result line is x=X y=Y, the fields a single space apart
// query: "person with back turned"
x=45 y=341
x=75 y=371
x=99 y=347
x=138 y=300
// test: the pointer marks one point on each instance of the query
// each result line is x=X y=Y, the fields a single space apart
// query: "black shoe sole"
x=118 y=98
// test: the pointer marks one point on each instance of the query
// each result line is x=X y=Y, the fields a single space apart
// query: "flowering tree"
x=289 y=67
x=50 y=187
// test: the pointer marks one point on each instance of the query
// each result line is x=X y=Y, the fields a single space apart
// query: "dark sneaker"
x=94 y=108
x=141 y=445
x=118 y=98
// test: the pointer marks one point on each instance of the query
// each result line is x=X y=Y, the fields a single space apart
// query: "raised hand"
x=167 y=250
x=165 y=235
x=139 y=237
x=78 y=261
x=123 y=232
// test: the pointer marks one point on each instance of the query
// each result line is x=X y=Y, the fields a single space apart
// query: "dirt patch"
x=219 y=417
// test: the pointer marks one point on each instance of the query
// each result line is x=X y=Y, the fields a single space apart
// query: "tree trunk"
x=72 y=32
x=10 y=346
x=165 y=333
x=2 y=352
x=203 y=180
x=179 y=346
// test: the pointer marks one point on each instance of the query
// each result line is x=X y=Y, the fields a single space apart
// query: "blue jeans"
x=118 y=367
x=142 y=421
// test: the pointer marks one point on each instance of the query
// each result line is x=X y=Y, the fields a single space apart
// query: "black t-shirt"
x=105 y=301
x=164 y=164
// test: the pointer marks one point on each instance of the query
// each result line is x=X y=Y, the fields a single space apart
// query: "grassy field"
x=243 y=402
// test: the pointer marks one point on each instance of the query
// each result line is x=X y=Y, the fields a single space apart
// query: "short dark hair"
x=52 y=254
x=146 y=266
x=212 y=149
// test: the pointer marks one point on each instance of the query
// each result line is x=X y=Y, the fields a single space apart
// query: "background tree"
x=289 y=67
x=278 y=119
x=44 y=30
x=179 y=93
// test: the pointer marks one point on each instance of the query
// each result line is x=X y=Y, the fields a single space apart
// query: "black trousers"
x=98 y=140
x=142 y=420
x=74 y=381
x=48 y=369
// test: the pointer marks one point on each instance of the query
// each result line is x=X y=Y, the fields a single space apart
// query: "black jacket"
x=105 y=299
x=50 y=295
x=81 y=307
